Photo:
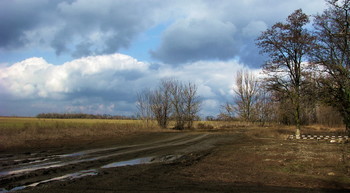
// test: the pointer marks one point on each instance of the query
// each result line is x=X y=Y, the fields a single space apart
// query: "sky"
x=94 y=56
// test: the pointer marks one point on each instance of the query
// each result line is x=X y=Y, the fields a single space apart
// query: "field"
x=33 y=132
x=42 y=155
x=19 y=132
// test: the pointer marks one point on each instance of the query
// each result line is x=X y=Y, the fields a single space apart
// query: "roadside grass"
x=31 y=132
x=269 y=130
x=260 y=158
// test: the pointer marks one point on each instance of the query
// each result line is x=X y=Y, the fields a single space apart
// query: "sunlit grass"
x=26 y=132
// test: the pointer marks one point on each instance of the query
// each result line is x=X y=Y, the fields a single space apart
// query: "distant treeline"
x=81 y=116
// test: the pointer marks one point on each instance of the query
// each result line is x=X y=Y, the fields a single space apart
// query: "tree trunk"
x=297 y=114
x=297 y=121
x=347 y=123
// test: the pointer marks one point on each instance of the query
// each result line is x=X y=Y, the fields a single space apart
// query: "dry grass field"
x=20 y=132
x=33 y=132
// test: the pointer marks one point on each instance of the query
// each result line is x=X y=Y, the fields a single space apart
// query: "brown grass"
x=271 y=130
x=31 y=132
x=275 y=162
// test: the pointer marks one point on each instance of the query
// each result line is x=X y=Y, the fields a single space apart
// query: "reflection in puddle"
x=144 y=160
x=138 y=161
x=31 y=168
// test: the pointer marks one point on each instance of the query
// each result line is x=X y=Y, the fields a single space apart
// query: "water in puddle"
x=144 y=160
x=132 y=162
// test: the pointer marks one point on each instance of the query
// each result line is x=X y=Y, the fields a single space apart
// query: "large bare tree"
x=287 y=45
x=332 y=54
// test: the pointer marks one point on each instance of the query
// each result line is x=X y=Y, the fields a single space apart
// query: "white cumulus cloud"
x=105 y=84
x=35 y=78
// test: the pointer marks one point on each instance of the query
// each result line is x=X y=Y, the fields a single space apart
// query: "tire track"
x=57 y=161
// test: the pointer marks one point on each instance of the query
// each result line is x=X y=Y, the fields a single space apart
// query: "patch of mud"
x=21 y=171
x=84 y=156
x=93 y=172
x=72 y=176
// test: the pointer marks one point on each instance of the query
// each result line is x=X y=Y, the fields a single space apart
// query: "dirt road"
x=161 y=162
x=32 y=169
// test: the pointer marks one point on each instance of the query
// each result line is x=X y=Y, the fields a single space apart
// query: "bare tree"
x=178 y=103
x=332 y=54
x=160 y=102
x=143 y=105
x=171 y=100
x=287 y=45
x=185 y=102
x=247 y=94
x=192 y=103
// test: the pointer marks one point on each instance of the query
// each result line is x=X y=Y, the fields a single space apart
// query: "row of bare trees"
x=307 y=69
x=172 y=100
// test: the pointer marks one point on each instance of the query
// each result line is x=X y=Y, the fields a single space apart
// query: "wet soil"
x=180 y=162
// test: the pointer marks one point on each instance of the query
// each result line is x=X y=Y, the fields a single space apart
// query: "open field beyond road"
x=224 y=158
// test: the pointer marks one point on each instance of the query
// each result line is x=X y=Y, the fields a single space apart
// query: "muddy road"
x=179 y=162
x=22 y=171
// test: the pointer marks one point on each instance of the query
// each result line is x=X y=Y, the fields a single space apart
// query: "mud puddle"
x=93 y=172
x=56 y=161
x=72 y=176
x=21 y=171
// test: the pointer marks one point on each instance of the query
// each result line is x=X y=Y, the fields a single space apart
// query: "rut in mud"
x=32 y=169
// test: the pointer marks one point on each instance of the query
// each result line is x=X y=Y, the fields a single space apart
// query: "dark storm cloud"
x=199 y=30
x=190 y=40
x=102 y=27
x=78 y=27
x=18 y=17
x=225 y=30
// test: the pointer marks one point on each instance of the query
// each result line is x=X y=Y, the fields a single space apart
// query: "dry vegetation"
x=32 y=132
x=285 y=163
x=271 y=130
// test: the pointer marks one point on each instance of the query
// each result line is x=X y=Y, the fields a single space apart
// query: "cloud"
x=19 y=17
x=194 y=39
x=225 y=30
x=76 y=27
x=202 y=41
x=35 y=78
x=104 y=84
x=198 y=30
x=254 y=29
